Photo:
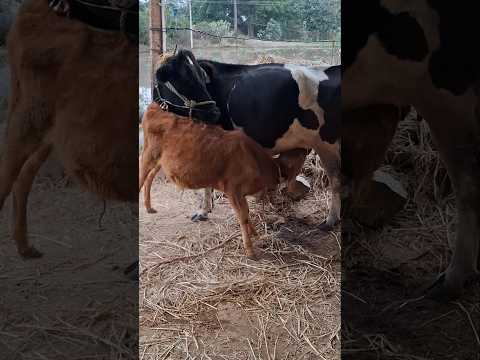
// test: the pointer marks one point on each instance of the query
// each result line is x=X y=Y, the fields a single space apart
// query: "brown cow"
x=196 y=156
x=70 y=95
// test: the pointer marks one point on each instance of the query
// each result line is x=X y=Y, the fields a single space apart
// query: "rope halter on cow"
x=187 y=103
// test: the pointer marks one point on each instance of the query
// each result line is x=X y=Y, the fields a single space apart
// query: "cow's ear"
x=205 y=75
x=208 y=70
x=186 y=55
x=163 y=72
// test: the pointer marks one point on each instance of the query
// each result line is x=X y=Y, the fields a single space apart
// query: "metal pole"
x=333 y=52
x=191 y=24
x=163 y=9
x=157 y=42
x=235 y=10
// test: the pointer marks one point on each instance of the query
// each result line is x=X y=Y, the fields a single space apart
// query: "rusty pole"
x=157 y=36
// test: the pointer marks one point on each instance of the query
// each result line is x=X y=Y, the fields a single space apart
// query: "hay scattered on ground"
x=401 y=259
x=71 y=303
x=222 y=305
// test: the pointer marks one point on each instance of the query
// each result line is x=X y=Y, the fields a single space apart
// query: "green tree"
x=273 y=31
x=304 y=20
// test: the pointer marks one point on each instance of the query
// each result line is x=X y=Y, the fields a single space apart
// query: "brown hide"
x=195 y=156
x=74 y=89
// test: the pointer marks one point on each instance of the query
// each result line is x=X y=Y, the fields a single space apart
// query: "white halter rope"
x=188 y=104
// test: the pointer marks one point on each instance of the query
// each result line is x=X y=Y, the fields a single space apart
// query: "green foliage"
x=302 y=20
x=273 y=31
x=176 y=15
x=219 y=28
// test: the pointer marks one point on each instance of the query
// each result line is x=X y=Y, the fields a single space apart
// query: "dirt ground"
x=219 y=304
x=386 y=271
x=75 y=302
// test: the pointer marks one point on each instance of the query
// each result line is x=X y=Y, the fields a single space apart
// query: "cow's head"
x=182 y=83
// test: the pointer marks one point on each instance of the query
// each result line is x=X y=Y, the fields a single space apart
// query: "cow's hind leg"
x=331 y=161
x=205 y=207
x=459 y=145
x=21 y=190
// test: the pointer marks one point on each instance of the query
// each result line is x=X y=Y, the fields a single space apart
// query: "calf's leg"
x=147 y=164
x=21 y=190
x=148 y=186
x=23 y=139
x=240 y=205
x=205 y=207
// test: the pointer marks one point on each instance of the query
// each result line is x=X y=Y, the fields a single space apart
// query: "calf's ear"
x=163 y=72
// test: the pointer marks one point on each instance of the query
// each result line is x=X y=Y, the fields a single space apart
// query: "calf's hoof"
x=199 y=216
x=30 y=253
x=251 y=255
x=440 y=290
x=151 y=211
x=298 y=190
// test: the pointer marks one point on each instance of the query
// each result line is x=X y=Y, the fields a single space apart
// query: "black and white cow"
x=422 y=53
x=282 y=107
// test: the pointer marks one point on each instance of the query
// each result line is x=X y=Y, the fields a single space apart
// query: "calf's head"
x=182 y=84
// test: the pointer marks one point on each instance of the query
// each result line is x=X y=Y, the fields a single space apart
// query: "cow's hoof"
x=199 y=217
x=151 y=211
x=325 y=226
x=441 y=291
x=132 y=271
x=30 y=253
x=298 y=190
x=130 y=268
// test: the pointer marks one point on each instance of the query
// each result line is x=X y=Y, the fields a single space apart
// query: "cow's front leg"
x=331 y=161
x=61 y=7
x=205 y=207
x=459 y=145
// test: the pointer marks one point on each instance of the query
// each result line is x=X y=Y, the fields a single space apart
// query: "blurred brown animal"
x=196 y=156
x=62 y=99
x=366 y=134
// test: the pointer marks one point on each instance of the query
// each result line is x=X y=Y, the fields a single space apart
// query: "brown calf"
x=196 y=156
x=61 y=99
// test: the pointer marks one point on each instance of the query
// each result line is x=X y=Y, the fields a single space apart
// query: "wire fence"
x=218 y=42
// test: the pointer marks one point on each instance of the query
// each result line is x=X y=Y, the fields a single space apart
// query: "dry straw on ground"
x=218 y=304
x=401 y=259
